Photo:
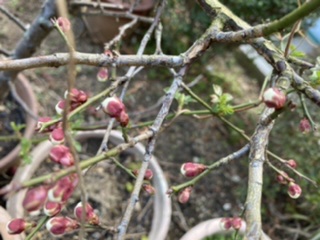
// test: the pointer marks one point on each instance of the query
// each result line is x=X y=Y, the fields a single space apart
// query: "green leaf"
x=25 y=150
x=296 y=53
x=17 y=128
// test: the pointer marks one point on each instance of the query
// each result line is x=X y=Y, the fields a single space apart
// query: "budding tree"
x=290 y=76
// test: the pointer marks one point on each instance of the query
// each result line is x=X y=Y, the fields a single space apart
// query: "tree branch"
x=31 y=40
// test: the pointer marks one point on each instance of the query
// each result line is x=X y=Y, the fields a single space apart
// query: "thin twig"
x=69 y=37
x=122 y=31
x=149 y=150
x=133 y=71
x=13 y=18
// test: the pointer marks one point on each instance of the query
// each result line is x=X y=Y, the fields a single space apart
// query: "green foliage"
x=221 y=101
x=315 y=75
x=255 y=11
x=25 y=151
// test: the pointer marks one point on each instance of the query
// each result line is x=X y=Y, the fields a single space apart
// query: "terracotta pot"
x=104 y=28
x=25 y=91
x=162 y=203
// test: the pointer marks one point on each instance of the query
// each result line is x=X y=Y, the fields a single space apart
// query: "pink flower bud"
x=149 y=189
x=184 y=195
x=123 y=119
x=60 y=107
x=64 y=24
x=59 y=226
x=191 y=169
x=305 y=126
x=90 y=216
x=147 y=176
x=57 y=136
x=40 y=123
x=77 y=96
x=294 y=190
x=35 y=198
x=113 y=107
x=226 y=223
x=108 y=53
x=292 y=163
x=281 y=179
x=52 y=208
x=274 y=98
x=103 y=75
x=62 y=155
x=236 y=223
x=18 y=225
x=63 y=188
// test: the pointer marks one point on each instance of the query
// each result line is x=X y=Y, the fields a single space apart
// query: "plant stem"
x=41 y=222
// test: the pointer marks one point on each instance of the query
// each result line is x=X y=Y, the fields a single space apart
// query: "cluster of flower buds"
x=116 y=109
x=305 y=126
x=191 y=169
x=63 y=188
x=77 y=98
x=89 y=216
x=228 y=223
x=62 y=155
x=19 y=225
x=274 y=98
x=147 y=176
x=59 y=226
x=294 y=190
x=184 y=195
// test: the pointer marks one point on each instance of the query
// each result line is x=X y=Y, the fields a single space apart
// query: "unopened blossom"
x=292 y=163
x=63 y=188
x=147 y=176
x=113 y=106
x=18 y=225
x=236 y=223
x=77 y=96
x=283 y=178
x=90 y=216
x=103 y=74
x=184 y=195
x=123 y=119
x=64 y=24
x=61 y=154
x=226 y=223
x=294 y=190
x=274 y=98
x=41 y=121
x=57 y=136
x=148 y=189
x=305 y=126
x=52 y=208
x=35 y=198
x=60 y=107
x=190 y=169
x=59 y=226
